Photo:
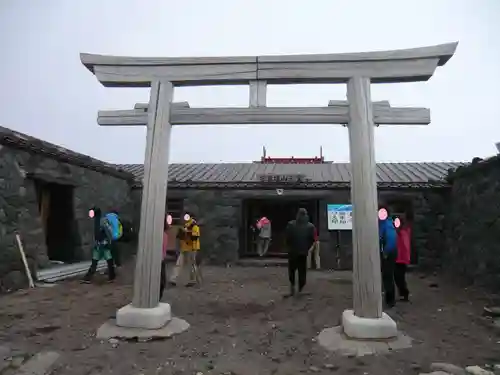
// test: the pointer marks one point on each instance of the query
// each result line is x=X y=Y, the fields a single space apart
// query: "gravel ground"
x=240 y=324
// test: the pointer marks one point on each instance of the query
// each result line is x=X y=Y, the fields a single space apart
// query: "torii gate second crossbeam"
x=358 y=70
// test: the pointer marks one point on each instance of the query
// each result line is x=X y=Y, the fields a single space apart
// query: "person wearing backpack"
x=107 y=228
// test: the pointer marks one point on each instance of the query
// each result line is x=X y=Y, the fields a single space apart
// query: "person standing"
x=299 y=239
x=264 y=238
x=403 y=259
x=388 y=251
x=190 y=246
x=314 y=252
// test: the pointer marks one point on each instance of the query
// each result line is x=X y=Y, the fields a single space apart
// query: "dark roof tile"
x=328 y=173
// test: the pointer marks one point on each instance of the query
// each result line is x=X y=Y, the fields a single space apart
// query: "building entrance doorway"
x=55 y=204
x=279 y=212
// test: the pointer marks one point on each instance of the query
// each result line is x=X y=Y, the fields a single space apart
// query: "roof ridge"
x=249 y=173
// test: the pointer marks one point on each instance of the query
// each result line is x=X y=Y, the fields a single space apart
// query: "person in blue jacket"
x=388 y=252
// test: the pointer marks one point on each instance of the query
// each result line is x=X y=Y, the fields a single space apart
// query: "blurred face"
x=382 y=214
x=397 y=222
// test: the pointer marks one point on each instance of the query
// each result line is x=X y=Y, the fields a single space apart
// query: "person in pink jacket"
x=264 y=238
x=403 y=259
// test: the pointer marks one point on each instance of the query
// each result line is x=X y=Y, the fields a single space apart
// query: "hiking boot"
x=292 y=292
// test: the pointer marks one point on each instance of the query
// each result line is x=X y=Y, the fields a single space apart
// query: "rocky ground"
x=241 y=325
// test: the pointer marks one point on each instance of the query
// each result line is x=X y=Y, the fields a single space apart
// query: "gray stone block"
x=448 y=368
x=40 y=364
x=110 y=330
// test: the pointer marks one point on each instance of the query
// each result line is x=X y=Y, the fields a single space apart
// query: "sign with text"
x=282 y=178
x=339 y=216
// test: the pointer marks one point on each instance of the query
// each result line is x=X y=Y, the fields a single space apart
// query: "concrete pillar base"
x=366 y=328
x=153 y=318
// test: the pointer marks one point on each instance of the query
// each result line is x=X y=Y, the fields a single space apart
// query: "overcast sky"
x=46 y=92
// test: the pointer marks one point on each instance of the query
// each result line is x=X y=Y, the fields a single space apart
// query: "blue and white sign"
x=339 y=216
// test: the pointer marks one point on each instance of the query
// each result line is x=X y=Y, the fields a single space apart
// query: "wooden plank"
x=180 y=75
x=345 y=103
x=144 y=106
x=415 y=64
x=91 y=60
x=367 y=293
x=147 y=272
x=25 y=261
x=268 y=115
x=442 y=51
x=258 y=94
x=340 y=72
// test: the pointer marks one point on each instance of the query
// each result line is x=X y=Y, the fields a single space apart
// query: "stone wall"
x=19 y=208
x=472 y=224
x=428 y=231
x=220 y=213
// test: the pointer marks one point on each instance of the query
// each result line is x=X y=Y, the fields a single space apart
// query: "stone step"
x=4 y=357
x=262 y=262
x=40 y=364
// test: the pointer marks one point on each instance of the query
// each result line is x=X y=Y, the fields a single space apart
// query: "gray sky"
x=46 y=92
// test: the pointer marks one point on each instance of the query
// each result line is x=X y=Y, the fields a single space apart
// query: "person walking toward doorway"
x=264 y=237
x=403 y=259
x=388 y=252
x=314 y=252
x=299 y=239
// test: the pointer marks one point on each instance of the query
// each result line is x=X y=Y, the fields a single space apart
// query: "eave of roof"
x=14 y=139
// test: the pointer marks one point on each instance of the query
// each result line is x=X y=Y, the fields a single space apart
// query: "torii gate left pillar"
x=358 y=70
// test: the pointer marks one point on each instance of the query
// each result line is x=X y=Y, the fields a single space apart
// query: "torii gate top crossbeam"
x=407 y=65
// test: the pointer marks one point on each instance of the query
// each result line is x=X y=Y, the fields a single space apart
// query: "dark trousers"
x=388 y=264
x=93 y=269
x=400 y=280
x=163 y=277
x=115 y=253
x=297 y=263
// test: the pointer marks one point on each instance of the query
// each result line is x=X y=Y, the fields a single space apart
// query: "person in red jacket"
x=403 y=242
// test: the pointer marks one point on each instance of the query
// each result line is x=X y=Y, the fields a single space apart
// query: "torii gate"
x=358 y=70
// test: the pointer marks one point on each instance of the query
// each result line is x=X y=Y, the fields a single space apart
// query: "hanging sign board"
x=282 y=178
x=339 y=216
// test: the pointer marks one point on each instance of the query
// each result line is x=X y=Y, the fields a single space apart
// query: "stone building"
x=46 y=191
x=227 y=198
x=45 y=194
